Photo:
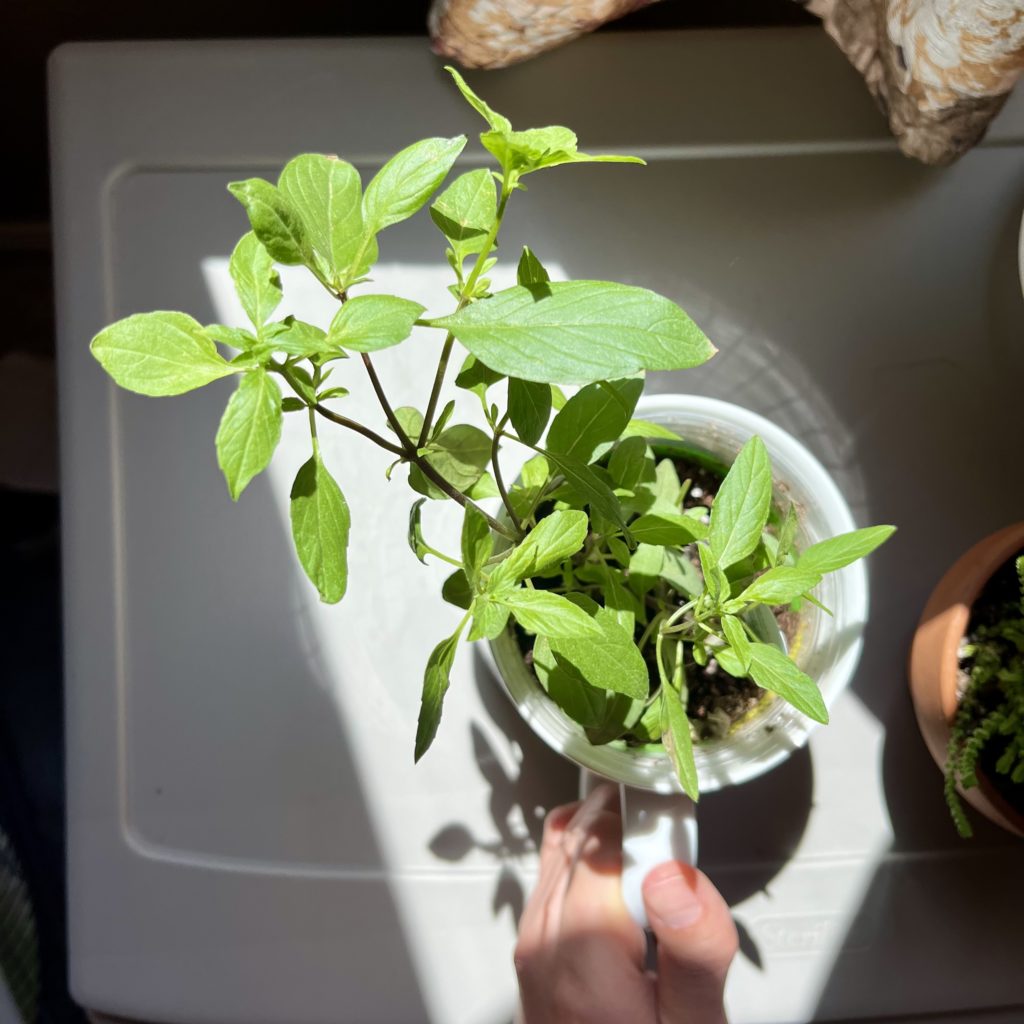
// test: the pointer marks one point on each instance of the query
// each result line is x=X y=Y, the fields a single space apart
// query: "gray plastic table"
x=248 y=837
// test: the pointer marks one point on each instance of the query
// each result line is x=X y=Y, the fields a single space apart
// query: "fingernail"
x=672 y=897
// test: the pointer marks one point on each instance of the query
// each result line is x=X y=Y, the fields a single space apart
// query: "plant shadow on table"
x=748 y=832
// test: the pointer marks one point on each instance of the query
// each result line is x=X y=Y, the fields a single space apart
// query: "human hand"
x=580 y=956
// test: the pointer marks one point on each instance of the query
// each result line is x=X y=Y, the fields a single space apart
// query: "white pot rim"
x=769 y=738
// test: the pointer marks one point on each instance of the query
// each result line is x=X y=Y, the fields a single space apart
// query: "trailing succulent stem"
x=990 y=715
x=619 y=589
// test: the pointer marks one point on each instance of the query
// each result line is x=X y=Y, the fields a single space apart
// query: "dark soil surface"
x=999 y=600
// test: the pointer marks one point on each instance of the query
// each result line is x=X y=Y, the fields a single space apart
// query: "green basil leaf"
x=669 y=529
x=435 y=686
x=589 y=488
x=646 y=561
x=578 y=332
x=408 y=180
x=489 y=618
x=530 y=269
x=529 y=406
x=275 y=222
x=837 y=552
x=477 y=543
x=475 y=376
x=630 y=463
x=741 y=506
x=233 y=336
x=554 y=539
x=292 y=404
x=609 y=659
x=368 y=323
x=738 y=641
x=256 y=281
x=330 y=393
x=457 y=591
x=731 y=662
x=679 y=743
x=715 y=581
x=787 y=532
x=645 y=429
x=415 y=534
x=296 y=338
x=410 y=420
x=497 y=121
x=460 y=454
x=548 y=614
x=466 y=211
x=159 y=354
x=535 y=148
x=249 y=430
x=773 y=670
x=681 y=574
x=594 y=415
x=326 y=194
x=320 y=525
x=780 y=585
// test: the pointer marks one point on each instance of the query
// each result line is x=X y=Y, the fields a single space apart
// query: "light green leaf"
x=526 y=151
x=408 y=180
x=368 y=323
x=497 y=121
x=832 y=554
x=772 y=670
x=731 y=663
x=295 y=338
x=530 y=269
x=475 y=376
x=578 y=332
x=679 y=742
x=715 y=581
x=415 y=535
x=610 y=660
x=738 y=640
x=529 y=406
x=326 y=194
x=410 y=420
x=249 y=430
x=741 y=505
x=647 y=561
x=484 y=488
x=275 y=222
x=159 y=354
x=256 y=281
x=330 y=393
x=669 y=529
x=554 y=539
x=466 y=211
x=460 y=454
x=589 y=488
x=594 y=415
x=235 y=337
x=548 y=614
x=646 y=429
x=320 y=525
x=787 y=532
x=489 y=618
x=779 y=585
x=681 y=574
x=477 y=543
x=435 y=686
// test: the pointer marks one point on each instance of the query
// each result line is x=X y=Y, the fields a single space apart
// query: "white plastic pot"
x=826 y=648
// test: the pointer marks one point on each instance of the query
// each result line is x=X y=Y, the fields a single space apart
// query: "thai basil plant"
x=617 y=586
x=989 y=721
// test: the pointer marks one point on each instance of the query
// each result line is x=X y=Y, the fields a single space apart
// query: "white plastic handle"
x=656 y=827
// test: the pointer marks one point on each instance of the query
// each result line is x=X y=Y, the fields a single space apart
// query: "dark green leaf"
x=435 y=685
x=832 y=554
x=741 y=506
x=589 y=488
x=291 y=404
x=249 y=430
x=476 y=377
x=460 y=454
x=368 y=323
x=256 y=281
x=457 y=591
x=773 y=670
x=274 y=220
x=577 y=332
x=320 y=524
x=415 y=536
x=630 y=464
x=594 y=415
x=159 y=354
x=530 y=269
x=408 y=180
x=529 y=406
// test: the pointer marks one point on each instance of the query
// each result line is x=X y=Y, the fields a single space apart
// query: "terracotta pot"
x=934 y=663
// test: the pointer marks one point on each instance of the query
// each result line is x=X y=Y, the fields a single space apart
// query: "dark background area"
x=31 y=741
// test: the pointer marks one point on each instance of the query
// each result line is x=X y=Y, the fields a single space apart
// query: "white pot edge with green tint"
x=827 y=649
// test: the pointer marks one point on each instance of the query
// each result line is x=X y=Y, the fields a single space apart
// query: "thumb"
x=696 y=943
